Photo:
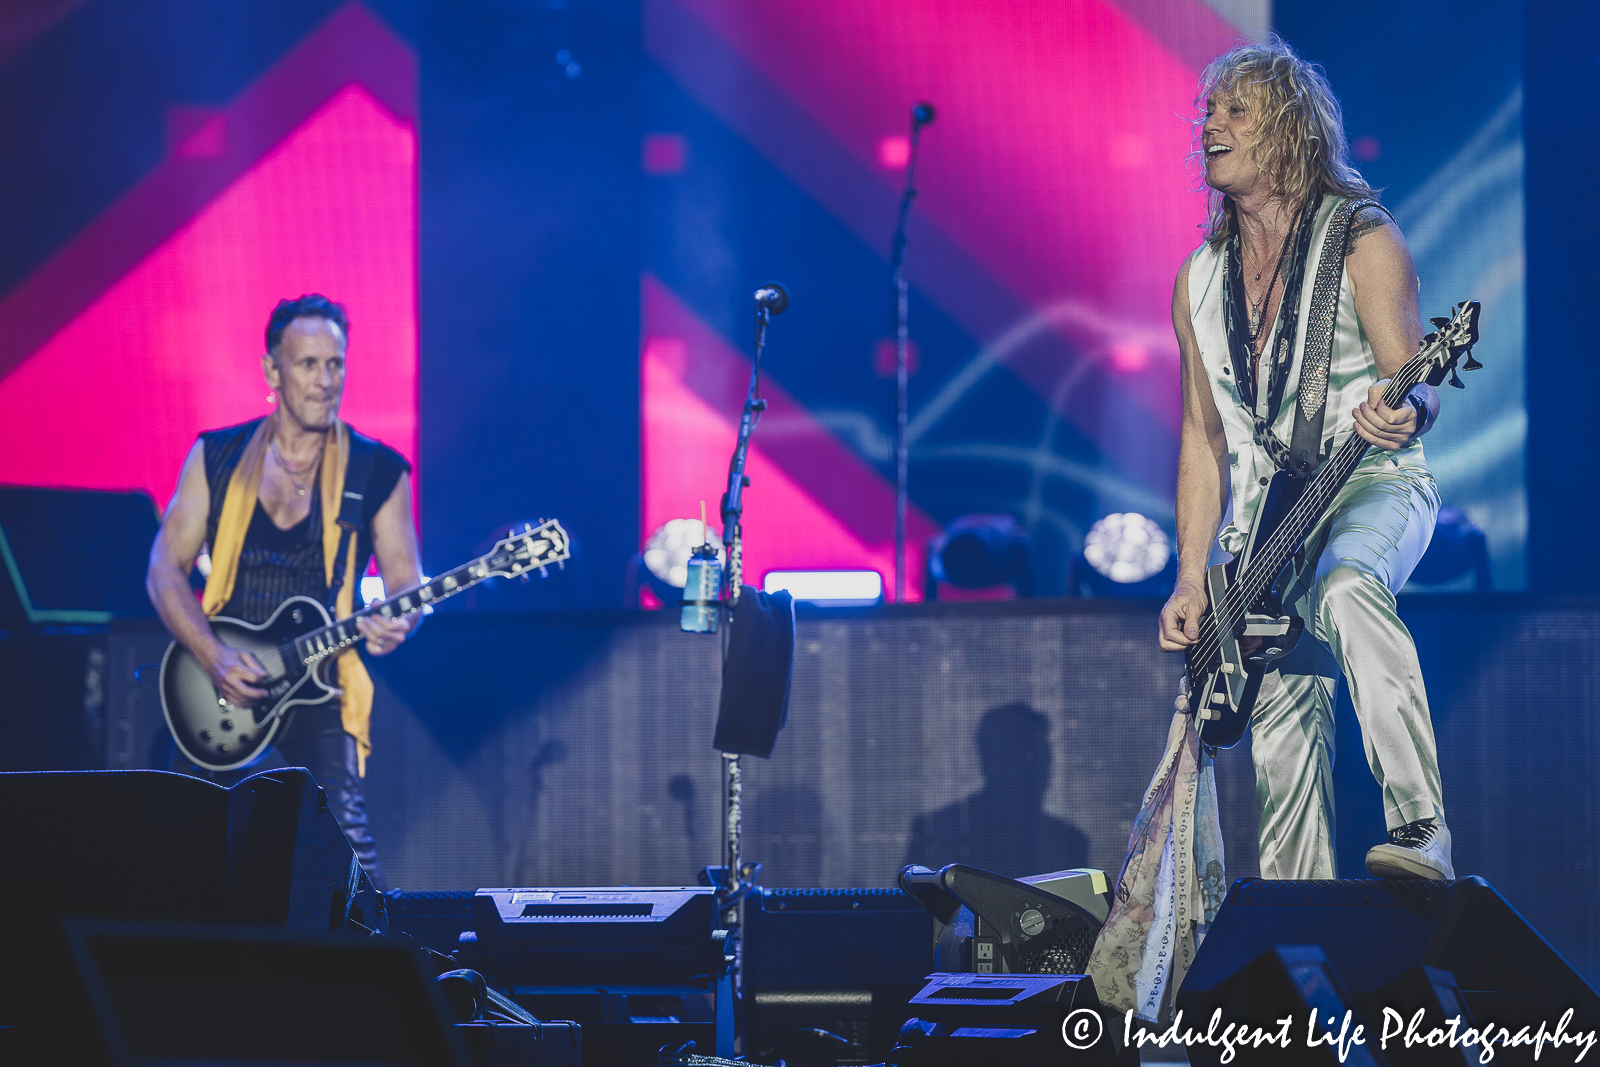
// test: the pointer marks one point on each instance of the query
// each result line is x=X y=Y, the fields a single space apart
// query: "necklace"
x=1257 y=319
x=294 y=475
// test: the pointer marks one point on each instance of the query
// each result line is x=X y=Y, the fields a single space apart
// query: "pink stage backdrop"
x=148 y=327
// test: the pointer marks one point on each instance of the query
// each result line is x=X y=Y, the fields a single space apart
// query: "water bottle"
x=701 y=591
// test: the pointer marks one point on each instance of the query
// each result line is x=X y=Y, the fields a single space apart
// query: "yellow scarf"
x=239 y=505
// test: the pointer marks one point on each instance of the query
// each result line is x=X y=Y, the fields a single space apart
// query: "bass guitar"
x=1245 y=630
x=298 y=643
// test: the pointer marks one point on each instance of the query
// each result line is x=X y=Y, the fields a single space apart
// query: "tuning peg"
x=1471 y=364
x=1439 y=323
x=1455 y=379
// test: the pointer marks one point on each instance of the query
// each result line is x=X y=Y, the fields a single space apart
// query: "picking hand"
x=1180 y=618
x=232 y=670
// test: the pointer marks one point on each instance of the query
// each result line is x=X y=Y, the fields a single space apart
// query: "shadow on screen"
x=1003 y=827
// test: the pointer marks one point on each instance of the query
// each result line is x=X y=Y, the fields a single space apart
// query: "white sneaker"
x=1418 y=849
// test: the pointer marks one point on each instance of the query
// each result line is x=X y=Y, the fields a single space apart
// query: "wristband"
x=1421 y=407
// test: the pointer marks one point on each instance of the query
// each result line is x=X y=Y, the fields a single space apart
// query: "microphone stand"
x=737 y=876
x=921 y=115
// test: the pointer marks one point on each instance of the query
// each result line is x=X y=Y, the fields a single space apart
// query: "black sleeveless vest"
x=277 y=564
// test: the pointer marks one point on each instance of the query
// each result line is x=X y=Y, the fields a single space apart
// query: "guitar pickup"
x=1265 y=626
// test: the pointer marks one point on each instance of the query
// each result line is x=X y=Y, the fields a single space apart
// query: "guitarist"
x=265 y=496
x=1277 y=164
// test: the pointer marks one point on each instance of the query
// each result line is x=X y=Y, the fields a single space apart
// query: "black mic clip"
x=773 y=297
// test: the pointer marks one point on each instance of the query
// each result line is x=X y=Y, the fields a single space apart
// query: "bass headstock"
x=1451 y=339
x=527 y=549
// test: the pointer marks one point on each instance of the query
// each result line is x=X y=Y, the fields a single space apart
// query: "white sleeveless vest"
x=1351 y=371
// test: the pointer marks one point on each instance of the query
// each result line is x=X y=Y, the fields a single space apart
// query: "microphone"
x=773 y=296
x=921 y=114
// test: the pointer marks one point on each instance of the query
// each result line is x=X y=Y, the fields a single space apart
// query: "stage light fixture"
x=981 y=552
x=1458 y=548
x=828 y=588
x=1127 y=548
x=666 y=554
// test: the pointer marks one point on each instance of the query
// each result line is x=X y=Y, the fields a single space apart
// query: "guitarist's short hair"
x=309 y=306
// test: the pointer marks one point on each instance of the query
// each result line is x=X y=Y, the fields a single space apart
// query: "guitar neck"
x=1269 y=559
x=326 y=640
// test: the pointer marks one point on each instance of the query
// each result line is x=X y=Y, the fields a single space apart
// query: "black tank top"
x=277 y=564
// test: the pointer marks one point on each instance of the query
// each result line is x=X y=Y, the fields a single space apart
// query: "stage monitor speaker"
x=161 y=847
x=101 y=844
x=1374 y=931
x=183 y=994
x=1267 y=1006
x=289 y=862
x=73 y=555
x=1393 y=1007
x=844 y=961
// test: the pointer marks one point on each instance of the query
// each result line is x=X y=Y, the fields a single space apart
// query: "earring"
x=272 y=398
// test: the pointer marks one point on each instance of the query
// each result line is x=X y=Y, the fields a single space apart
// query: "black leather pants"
x=314 y=738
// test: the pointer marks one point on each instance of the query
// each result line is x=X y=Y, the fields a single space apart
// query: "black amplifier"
x=840 y=960
x=435 y=919
x=637 y=967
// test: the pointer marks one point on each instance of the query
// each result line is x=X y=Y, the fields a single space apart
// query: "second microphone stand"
x=921 y=115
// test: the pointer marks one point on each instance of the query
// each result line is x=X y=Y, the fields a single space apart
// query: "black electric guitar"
x=1244 y=629
x=300 y=641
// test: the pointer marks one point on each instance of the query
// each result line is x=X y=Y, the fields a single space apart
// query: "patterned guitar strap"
x=1303 y=455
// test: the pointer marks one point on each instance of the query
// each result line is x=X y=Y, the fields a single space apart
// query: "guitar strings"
x=1326 y=484
x=1316 y=496
x=1252 y=584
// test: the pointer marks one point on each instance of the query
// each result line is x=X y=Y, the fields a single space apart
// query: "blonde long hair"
x=1298 y=138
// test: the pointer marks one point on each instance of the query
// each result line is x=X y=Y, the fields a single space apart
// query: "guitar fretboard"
x=324 y=641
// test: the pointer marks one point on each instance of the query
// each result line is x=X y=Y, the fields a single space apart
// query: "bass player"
x=1277 y=163
x=266 y=496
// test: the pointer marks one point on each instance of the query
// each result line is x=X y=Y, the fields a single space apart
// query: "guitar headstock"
x=527 y=549
x=1452 y=339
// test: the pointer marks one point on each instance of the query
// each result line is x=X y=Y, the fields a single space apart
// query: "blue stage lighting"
x=980 y=552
